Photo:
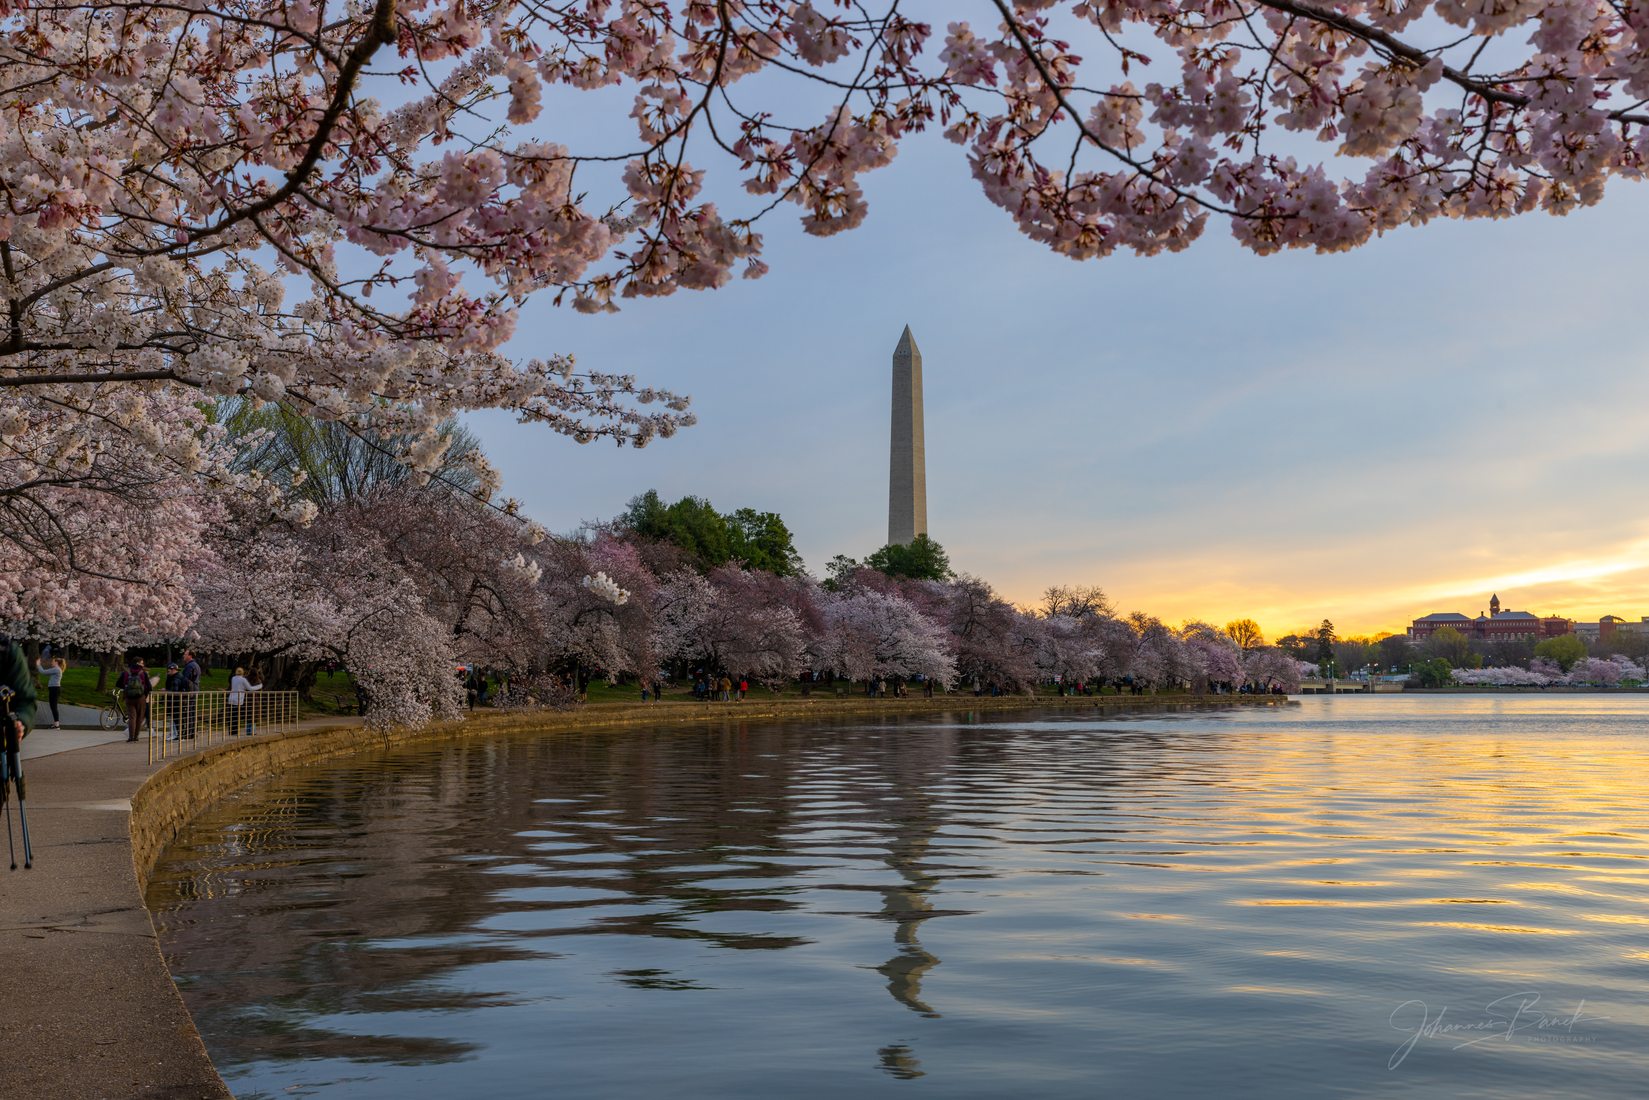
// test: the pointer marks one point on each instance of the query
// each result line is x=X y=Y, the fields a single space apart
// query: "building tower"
x=1494 y=605
x=907 y=494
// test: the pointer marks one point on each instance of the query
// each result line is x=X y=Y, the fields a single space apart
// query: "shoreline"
x=97 y=1013
x=1522 y=689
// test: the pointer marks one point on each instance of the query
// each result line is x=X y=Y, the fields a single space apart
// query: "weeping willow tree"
x=331 y=462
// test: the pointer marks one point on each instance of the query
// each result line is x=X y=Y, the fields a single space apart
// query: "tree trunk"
x=107 y=662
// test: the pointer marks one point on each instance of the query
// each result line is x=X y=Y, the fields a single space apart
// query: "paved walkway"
x=51 y=742
x=90 y=1008
x=74 y=717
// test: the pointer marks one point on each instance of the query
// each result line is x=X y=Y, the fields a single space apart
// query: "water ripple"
x=1234 y=904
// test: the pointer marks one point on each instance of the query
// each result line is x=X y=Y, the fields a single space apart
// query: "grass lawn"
x=330 y=695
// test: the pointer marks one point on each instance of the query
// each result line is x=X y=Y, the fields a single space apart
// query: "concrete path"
x=90 y=1008
x=73 y=717
x=51 y=742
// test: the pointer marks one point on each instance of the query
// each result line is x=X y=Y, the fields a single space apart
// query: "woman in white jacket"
x=239 y=686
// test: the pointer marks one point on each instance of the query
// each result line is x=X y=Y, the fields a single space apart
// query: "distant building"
x=1496 y=626
x=1606 y=628
x=1427 y=625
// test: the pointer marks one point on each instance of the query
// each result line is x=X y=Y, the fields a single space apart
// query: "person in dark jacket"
x=175 y=686
x=134 y=688
x=191 y=679
x=19 y=705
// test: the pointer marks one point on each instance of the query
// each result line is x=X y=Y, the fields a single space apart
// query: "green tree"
x=1565 y=649
x=839 y=569
x=1325 y=639
x=1396 y=651
x=1294 y=645
x=1351 y=654
x=762 y=541
x=922 y=559
x=1434 y=673
x=1450 y=645
x=757 y=540
x=646 y=516
x=692 y=524
x=1246 y=633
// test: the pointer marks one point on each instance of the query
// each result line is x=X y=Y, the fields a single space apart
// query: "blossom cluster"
x=347 y=211
x=1586 y=672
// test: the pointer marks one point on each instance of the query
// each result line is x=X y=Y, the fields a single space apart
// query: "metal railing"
x=181 y=722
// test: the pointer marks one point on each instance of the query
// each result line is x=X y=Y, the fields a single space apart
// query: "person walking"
x=239 y=689
x=134 y=688
x=51 y=670
x=744 y=687
x=726 y=689
x=191 y=680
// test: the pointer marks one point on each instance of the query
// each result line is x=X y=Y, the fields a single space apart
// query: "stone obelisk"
x=907 y=493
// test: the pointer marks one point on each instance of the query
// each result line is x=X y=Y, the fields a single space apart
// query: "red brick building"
x=1496 y=626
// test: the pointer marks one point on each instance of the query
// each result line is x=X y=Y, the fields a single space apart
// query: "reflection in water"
x=907 y=905
x=899 y=1062
x=1217 y=904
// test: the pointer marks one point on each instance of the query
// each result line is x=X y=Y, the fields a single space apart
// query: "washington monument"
x=907 y=487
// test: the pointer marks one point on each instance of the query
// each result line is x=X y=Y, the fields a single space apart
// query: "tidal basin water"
x=1389 y=896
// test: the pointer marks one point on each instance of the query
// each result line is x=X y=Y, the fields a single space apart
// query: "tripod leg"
x=22 y=810
x=23 y=820
x=5 y=779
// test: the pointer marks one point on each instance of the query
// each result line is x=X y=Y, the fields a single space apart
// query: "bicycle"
x=113 y=716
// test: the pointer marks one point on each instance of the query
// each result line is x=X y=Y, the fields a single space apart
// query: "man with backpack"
x=134 y=687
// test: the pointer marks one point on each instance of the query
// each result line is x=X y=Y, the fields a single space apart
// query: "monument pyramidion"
x=907 y=494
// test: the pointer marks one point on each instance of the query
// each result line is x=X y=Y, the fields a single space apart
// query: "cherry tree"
x=346 y=209
x=1161 y=658
x=333 y=589
x=1072 y=650
x=1503 y=676
x=992 y=641
x=1215 y=657
x=735 y=621
x=1118 y=642
x=1269 y=668
x=471 y=565
x=1605 y=672
x=598 y=598
x=101 y=531
x=869 y=635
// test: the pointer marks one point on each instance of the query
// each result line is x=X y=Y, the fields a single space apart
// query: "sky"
x=1446 y=413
